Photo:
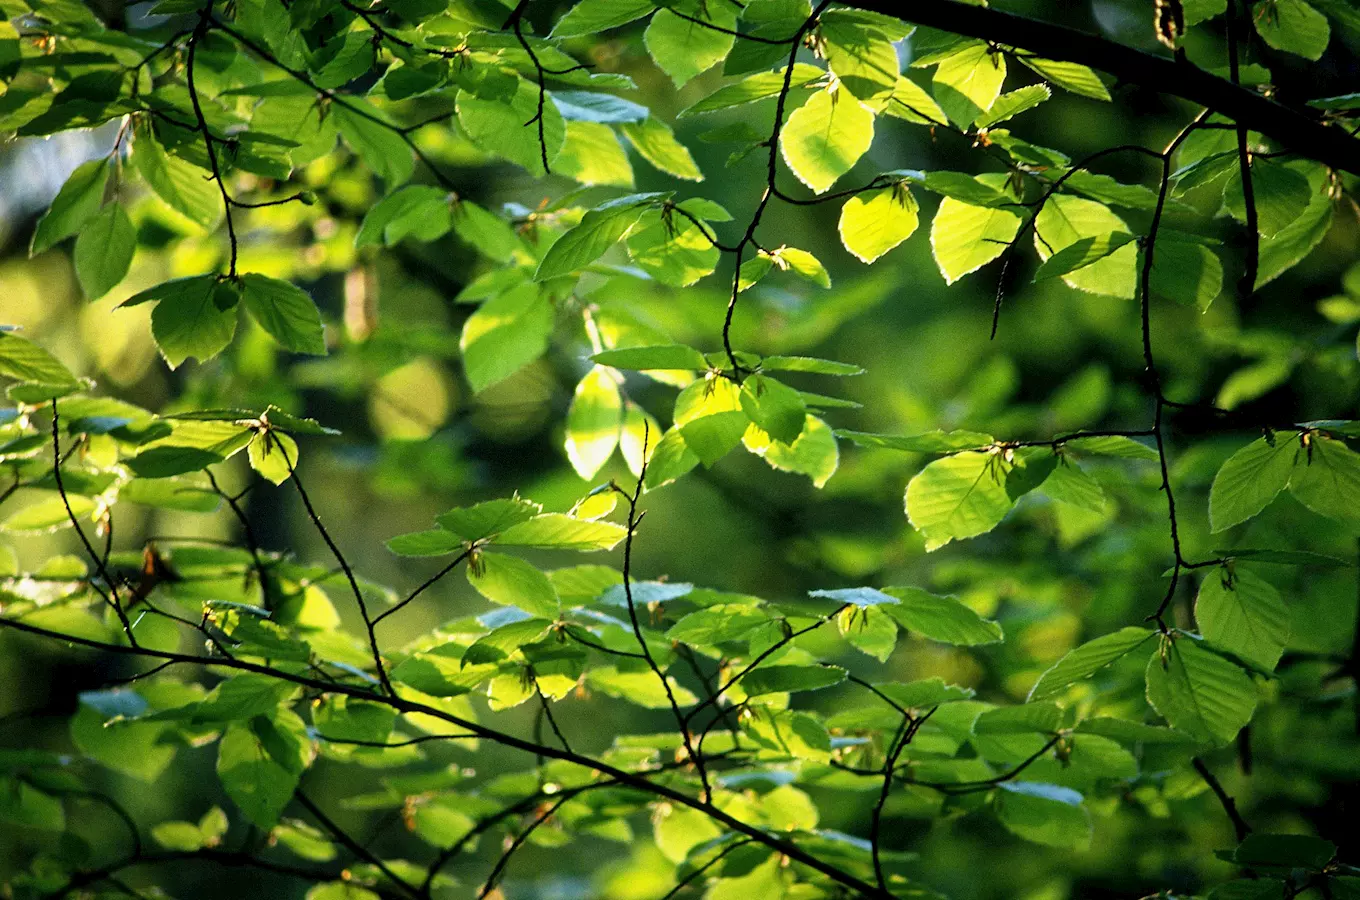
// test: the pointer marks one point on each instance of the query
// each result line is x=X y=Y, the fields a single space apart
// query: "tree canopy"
x=658 y=448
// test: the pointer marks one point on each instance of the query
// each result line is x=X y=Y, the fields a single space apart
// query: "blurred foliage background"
x=416 y=441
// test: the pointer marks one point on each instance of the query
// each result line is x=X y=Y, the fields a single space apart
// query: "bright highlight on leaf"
x=825 y=137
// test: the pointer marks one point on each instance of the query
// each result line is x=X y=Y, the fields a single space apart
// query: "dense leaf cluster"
x=230 y=127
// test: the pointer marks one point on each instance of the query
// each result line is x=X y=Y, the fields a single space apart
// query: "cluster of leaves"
x=219 y=102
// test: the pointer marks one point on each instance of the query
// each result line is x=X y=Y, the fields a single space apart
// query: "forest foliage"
x=1097 y=618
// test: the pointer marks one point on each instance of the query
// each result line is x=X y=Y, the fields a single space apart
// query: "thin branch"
x=515 y=22
x=688 y=879
x=516 y=844
x=1247 y=286
x=771 y=173
x=986 y=784
x=338 y=99
x=910 y=725
x=200 y=32
x=428 y=583
x=402 y=705
x=1239 y=824
x=681 y=719
x=1300 y=129
x=345 y=566
x=761 y=657
x=111 y=598
x=354 y=846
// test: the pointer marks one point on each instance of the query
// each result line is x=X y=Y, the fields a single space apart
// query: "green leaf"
x=924 y=693
x=960 y=496
x=1110 y=192
x=1292 y=26
x=1044 y=813
x=472 y=523
x=640 y=688
x=709 y=417
x=554 y=531
x=1186 y=271
x=24 y=360
x=753 y=88
x=666 y=356
x=1086 y=660
x=655 y=142
x=194 y=316
x=599 y=229
x=1284 y=851
x=775 y=408
x=510 y=129
x=910 y=102
x=378 y=145
x=683 y=48
x=964 y=238
x=592 y=155
x=1243 y=614
x=418 y=211
x=1065 y=220
x=274 y=455
x=436 y=542
x=861 y=56
x=506 y=333
x=782 y=679
x=677 y=830
x=184 y=494
x=593 y=422
x=76 y=203
x=593 y=16
x=873 y=223
x=589 y=106
x=929 y=442
x=285 y=312
x=1012 y=104
x=1249 y=480
x=184 y=836
x=711 y=437
x=1082 y=253
x=968 y=83
x=104 y=251
x=341 y=890
x=1326 y=479
x=1283 y=250
x=1070 y=76
x=868 y=631
x=1069 y=483
x=1198 y=691
x=1116 y=445
x=105 y=729
x=673 y=249
x=186 y=188
x=511 y=581
x=1027 y=718
x=717 y=624
x=825 y=137
x=491 y=235
x=170 y=461
x=862 y=597
x=942 y=619
x=801 y=263
x=1204 y=171
x=260 y=763
x=1280 y=193
x=815 y=453
x=808 y=364
x=670 y=458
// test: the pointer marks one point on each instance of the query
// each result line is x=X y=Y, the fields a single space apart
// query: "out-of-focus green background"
x=416 y=441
